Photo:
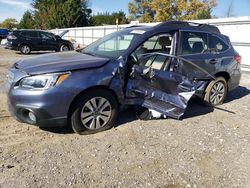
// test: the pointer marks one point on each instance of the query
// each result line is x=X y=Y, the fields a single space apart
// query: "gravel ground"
x=207 y=148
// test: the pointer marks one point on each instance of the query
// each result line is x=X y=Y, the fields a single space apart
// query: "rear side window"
x=30 y=34
x=216 y=44
x=193 y=42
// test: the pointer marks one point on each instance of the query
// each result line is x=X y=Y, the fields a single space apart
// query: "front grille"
x=10 y=76
x=13 y=76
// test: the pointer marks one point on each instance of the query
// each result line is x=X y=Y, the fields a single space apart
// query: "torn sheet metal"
x=163 y=93
x=171 y=103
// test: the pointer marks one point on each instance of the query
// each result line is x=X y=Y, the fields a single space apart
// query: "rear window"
x=31 y=34
x=194 y=42
x=200 y=43
x=216 y=44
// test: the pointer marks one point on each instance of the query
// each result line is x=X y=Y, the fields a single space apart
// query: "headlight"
x=43 y=82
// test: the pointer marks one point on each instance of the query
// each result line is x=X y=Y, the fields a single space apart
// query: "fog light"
x=32 y=116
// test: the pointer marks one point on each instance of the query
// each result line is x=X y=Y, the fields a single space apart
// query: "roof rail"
x=135 y=26
x=188 y=25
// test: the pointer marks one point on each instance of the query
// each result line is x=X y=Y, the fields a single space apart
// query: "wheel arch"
x=24 y=43
x=62 y=45
x=100 y=87
x=225 y=75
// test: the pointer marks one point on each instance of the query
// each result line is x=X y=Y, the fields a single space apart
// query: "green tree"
x=163 y=10
x=109 y=19
x=27 y=21
x=194 y=9
x=50 y=14
x=9 y=23
x=142 y=10
x=121 y=16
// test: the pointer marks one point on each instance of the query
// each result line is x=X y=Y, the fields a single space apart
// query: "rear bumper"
x=234 y=80
x=11 y=45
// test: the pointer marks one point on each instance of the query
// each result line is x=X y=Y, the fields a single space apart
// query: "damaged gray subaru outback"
x=158 y=68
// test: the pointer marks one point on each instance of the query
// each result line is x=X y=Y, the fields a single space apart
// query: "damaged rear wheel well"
x=91 y=89
x=224 y=75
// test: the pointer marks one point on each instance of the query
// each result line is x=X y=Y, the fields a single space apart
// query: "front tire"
x=64 y=48
x=93 y=112
x=25 y=49
x=216 y=92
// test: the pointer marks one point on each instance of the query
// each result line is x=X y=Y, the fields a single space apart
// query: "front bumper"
x=42 y=118
x=49 y=107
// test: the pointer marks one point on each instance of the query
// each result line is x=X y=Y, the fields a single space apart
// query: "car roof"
x=35 y=30
x=178 y=25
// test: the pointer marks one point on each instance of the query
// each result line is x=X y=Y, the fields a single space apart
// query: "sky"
x=16 y=8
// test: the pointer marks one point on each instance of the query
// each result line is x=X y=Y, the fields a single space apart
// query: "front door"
x=151 y=84
x=48 y=41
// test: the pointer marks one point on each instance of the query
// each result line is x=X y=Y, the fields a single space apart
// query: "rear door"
x=194 y=46
x=32 y=38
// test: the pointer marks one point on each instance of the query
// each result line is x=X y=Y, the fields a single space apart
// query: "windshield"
x=112 y=45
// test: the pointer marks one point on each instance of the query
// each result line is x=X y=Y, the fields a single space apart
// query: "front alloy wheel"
x=96 y=113
x=93 y=112
x=64 y=48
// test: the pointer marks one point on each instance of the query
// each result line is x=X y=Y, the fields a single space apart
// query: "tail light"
x=238 y=59
x=11 y=37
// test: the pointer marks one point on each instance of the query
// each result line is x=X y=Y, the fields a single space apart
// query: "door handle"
x=213 y=61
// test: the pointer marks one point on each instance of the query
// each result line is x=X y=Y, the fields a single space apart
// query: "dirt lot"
x=207 y=148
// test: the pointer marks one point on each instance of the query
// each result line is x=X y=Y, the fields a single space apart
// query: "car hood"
x=63 y=33
x=58 y=62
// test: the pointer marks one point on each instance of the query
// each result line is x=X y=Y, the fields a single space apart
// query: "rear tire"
x=93 y=112
x=216 y=92
x=24 y=49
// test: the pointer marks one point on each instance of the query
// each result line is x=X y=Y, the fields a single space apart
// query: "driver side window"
x=46 y=36
x=153 y=52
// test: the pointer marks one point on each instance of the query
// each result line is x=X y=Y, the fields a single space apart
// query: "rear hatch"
x=13 y=35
